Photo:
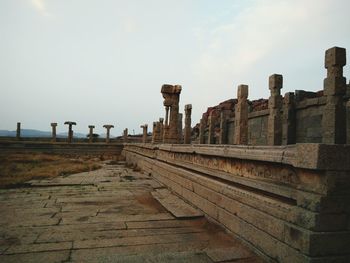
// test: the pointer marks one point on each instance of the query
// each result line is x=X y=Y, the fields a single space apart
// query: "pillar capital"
x=242 y=91
x=275 y=84
x=53 y=124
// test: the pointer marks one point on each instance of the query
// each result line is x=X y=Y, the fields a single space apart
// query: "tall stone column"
x=348 y=122
x=223 y=127
x=179 y=128
x=187 y=135
x=202 y=125
x=144 y=133
x=333 y=119
x=108 y=127
x=161 y=130
x=53 y=125
x=70 y=130
x=211 y=127
x=18 y=131
x=171 y=95
x=125 y=135
x=274 y=129
x=241 y=116
x=91 y=133
x=154 y=131
x=289 y=119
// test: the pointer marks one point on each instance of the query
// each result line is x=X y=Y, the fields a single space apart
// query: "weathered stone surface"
x=241 y=116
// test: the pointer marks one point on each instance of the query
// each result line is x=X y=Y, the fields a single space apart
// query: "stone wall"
x=290 y=203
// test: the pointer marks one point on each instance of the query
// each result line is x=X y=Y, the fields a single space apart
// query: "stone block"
x=335 y=56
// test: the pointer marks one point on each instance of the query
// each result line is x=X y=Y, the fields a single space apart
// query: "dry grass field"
x=17 y=168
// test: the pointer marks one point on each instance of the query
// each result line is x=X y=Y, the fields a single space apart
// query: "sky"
x=100 y=62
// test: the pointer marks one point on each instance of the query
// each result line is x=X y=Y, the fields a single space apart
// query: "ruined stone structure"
x=157 y=131
x=171 y=95
x=144 y=132
x=108 y=127
x=179 y=128
x=187 y=133
x=54 y=125
x=70 y=130
x=18 y=131
x=91 y=133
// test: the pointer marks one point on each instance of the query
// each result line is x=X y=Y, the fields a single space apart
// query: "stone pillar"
x=53 y=125
x=289 y=119
x=179 y=128
x=91 y=133
x=223 y=127
x=171 y=95
x=18 y=131
x=274 y=126
x=187 y=135
x=333 y=118
x=202 y=125
x=241 y=116
x=125 y=135
x=154 y=131
x=144 y=133
x=211 y=127
x=108 y=127
x=70 y=130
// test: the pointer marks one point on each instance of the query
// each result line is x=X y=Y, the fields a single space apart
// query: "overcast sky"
x=104 y=61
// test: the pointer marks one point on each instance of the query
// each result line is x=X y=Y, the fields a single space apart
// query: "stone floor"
x=108 y=215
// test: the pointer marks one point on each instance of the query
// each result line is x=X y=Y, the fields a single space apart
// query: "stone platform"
x=108 y=215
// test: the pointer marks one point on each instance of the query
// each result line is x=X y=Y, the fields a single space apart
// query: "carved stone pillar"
x=211 y=127
x=274 y=129
x=289 y=119
x=223 y=127
x=161 y=130
x=125 y=135
x=144 y=133
x=70 y=130
x=179 y=128
x=202 y=126
x=91 y=133
x=53 y=125
x=108 y=127
x=241 y=116
x=171 y=95
x=18 y=131
x=333 y=119
x=187 y=135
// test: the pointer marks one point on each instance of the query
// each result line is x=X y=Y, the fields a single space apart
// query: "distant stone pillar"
x=125 y=135
x=171 y=95
x=53 y=125
x=211 y=127
x=223 y=127
x=241 y=116
x=179 y=128
x=144 y=134
x=274 y=129
x=333 y=119
x=108 y=127
x=70 y=130
x=154 y=131
x=18 y=131
x=202 y=125
x=289 y=119
x=187 y=135
x=348 y=122
x=91 y=133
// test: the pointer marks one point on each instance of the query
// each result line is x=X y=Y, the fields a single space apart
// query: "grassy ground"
x=16 y=168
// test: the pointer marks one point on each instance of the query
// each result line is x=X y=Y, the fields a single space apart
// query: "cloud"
x=41 y=7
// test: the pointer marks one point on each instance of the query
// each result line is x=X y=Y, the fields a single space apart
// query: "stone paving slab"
x=108 y=215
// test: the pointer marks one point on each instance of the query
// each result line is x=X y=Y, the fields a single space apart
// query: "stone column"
x=18 y=131
x=289 y=119
x=125 y=135
x=202 y=125
x=274 y=126
x=108 y=127
x=171 y=95
x=187 y=135
x=70 y=130
x=179 y=128
x=223 y=127
x=241 y=116
x=154 y=131
x=144 y=133
x=211 y=127
x=53 y=125
x=348 y=122
x=333 y=118
x=91 y=133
